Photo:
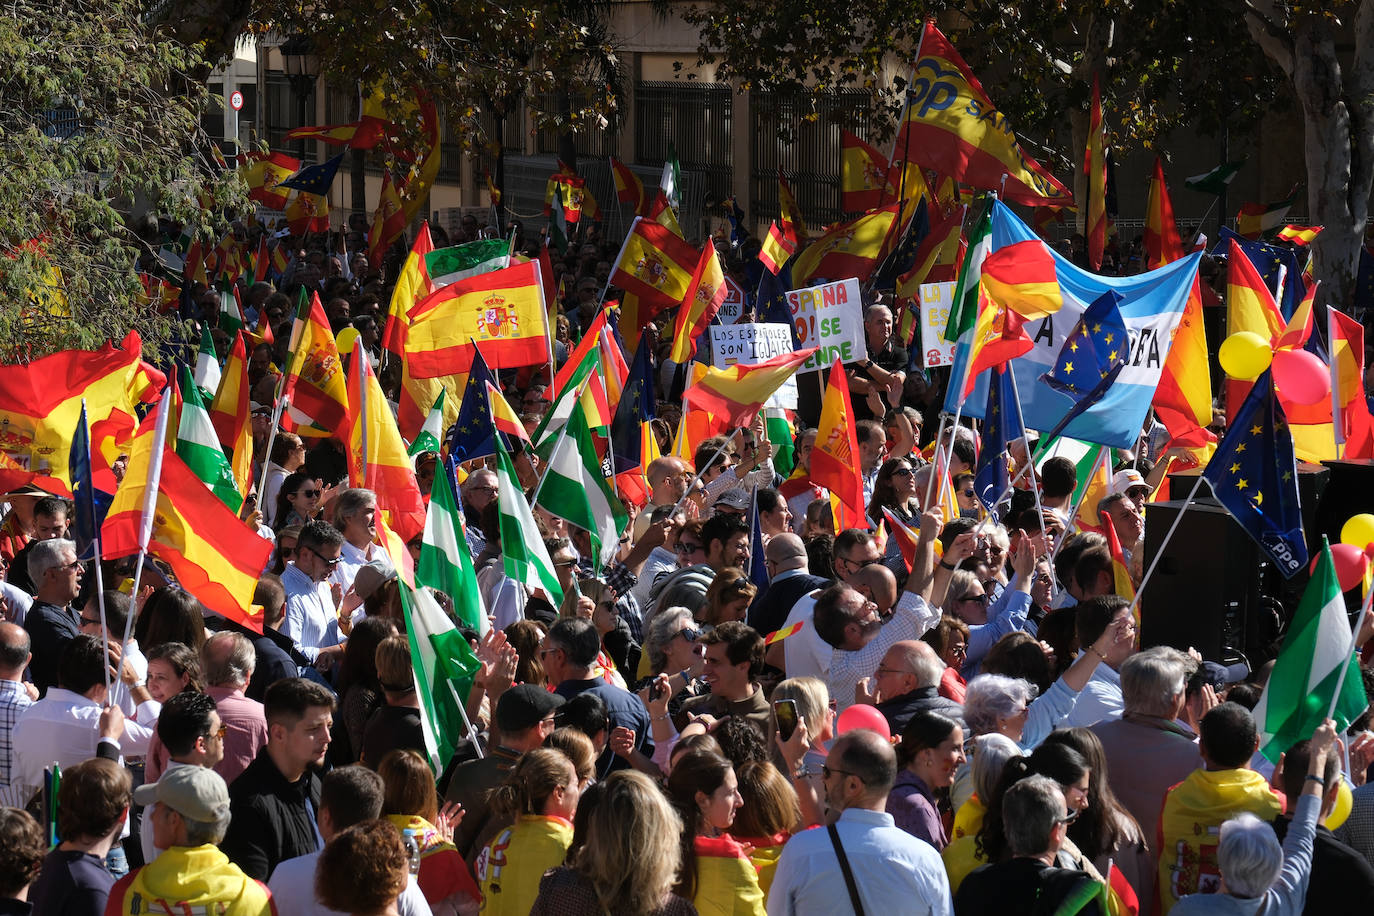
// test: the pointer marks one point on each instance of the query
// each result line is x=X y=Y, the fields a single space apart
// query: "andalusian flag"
x=964 y=309
x=1317 y=660
x=207 y=363
x=198 y=445
x=449 y=265
x=576 y=488
x=445 y=563
x=432 y=432
x=522 y=549
x=444 y=666
x=230 y=414
x=503 y=310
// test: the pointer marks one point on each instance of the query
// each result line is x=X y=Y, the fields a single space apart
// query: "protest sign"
x=753 y=343
x=935 y=300
x=829 y=317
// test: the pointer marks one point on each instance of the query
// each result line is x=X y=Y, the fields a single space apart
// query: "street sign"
x=236 y=100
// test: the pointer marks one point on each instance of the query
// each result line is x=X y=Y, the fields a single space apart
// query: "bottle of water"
x=412 y=848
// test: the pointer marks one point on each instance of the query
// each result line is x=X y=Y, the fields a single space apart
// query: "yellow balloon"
x=1245 y=355
x=1344 y=802
x=1358 y=530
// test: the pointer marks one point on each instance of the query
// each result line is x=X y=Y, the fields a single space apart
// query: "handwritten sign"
x=829 y=317
x=752 y=343
x=936 y=299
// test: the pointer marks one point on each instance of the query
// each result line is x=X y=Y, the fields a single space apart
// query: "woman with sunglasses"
x=727 y=598
x=895 y=490
x=298 y=501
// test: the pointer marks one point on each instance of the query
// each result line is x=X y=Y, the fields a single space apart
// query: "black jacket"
x=50 y=629
x=1342 y=880
x=899 y=710
x=270 y=819
x=1027 y=887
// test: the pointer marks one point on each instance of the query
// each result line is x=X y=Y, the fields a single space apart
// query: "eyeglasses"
x=330 y=561
x=903 y=472
x=685 y=547
x=970 y=492
x=487 y=489
x=958 y=650
x=308 y=494
x=688 y=633
x=826 y=772
x=978 y=599
x=860 y=564
x=219 y=732
x=545 y=652
x=1069 y=816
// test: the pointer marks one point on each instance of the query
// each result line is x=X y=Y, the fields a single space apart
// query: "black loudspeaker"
x=1206 y=591
x=1349 y=491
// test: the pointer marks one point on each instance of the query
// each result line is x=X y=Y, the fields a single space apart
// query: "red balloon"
x=1301 y=376
x=861 y=716
x=1350 y=562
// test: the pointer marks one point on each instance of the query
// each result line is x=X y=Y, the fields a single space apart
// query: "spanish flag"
x=215 y=557
x=655 y=263
x=998 y=336
x=1162 y=244
x=377 y=457
x=793 y=223
x=503 y=310
x=307 y=212
x=230 y=414
x=962 y=134
x=835 y=457
x=387 y=223
x=700 y=305
x=1095 y=167
x=628 y=188
x=262 y=172
x=776 y=249
x=863 y=175
x=906 y=538
x=1122 y=585
x=737 y=394
x=938 y=247
x=315 y=375
x=1300 y=235
x=851 y=249
x=1354 y=427
x=503 y=416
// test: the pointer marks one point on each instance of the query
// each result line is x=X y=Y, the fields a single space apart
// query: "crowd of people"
x=970 y=728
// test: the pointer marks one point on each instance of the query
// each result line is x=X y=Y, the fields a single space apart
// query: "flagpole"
x=1159 y=553
x=1025 y=441
x=467 y=723
x=1345 y=669
x=362 y=368
x=149 y=514
x=930 y=481
x=282 y=400
x=1078 y=503
x=616 y=264
x=95 y=542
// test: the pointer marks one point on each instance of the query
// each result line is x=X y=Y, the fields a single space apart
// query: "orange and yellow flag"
x=835 y=457
x=377 y=457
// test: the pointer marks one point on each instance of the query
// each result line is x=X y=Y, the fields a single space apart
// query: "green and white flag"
x=522 y=549
x=444 y=665
x=230 y=315
x=427 y=440
x=207 y=363
x=199 y=447
x=445 y=563
x=547 y=432
x=964 y=312
x=1215 y=182
x=574 y=488
x=670 y=182
x=1317 y=659
x=449 y=265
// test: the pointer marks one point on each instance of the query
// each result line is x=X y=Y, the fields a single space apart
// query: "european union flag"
x=636 y=407
x=1255 y=476
x=758 y=571
x=474 y=435
x=1097 y=343
x=771 y=302
x=1001 y=426
x=903 y=257
x=91 y=504
x=315 y=179
x=1268 y=260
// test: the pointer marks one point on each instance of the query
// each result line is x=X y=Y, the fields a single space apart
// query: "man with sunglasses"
x=52 y=621
x=311 y=611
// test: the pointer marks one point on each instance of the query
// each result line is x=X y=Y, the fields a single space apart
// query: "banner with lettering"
x=829 y=317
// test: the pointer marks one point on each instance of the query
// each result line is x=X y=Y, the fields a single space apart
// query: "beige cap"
x=196 y=793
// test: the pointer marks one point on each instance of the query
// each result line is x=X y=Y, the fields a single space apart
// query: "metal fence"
x=693 y=120
x=594 y=143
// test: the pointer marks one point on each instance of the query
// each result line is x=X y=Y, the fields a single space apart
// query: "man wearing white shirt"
x=854 y=626
x=15 y=697
x=64 y=727
x=1101 y=699
x=310 y=602
x=355 y=515
x=348 y=796
x=116 y=616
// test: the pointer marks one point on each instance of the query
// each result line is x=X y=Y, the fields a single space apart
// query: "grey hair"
x=1105 y=503
x=229 y=666
x=662 y=628
x=923 y=663
x=1152 y=680
x=993 y=696
x=46 y=555
x=202 y=833
x=351 y=502
x=1249 y=856
x=990 y=755
x=1030 y=810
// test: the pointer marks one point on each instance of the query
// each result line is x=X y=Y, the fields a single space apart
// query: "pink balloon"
x=1301 y=376
x=861 y=716
x=1350 y=562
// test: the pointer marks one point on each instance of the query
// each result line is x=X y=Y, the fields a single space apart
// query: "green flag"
x=522 y=549
x=427 y=440
x=1318 y=654
x=449 y=265
x=546 y=433
x=207 y=363
x=445 y=563
x=575 y=488
x=1215 y=181
x=670 y=182
x=230 y=315
x=781 y=434
x=963 y=311
x=199 y=447
x=443 y=665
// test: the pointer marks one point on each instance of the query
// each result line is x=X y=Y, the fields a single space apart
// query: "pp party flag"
x=1316 y=667
x=91 y=504
x=1215 y=181
x=207 y=373
x=835 y=456
x=198 y=445
x=445 y=564
x=1095 y=167
x=263 y=172
x=1022 y=277
x=472 y=434
x=432 y=431
x=502 y=310
x=1300 y=235
x=1255 y=476
x=960 y=133
x=314 y=179
x=1162 y=243
x=998 y=336
x=700 y=305
x=655 y=263
x=230 y=414
x=628 y=188
x=503 y=416
x=863 y=175
x=387 y=223
x=851 y=249
x=776 y=249
x=1255 y=219
x=377 y=456
x=1151 y=304
x=444 y=666
x=412 y=285
x=793 y=223
x=315 y=380
x=215 y=557
x=736 y=394
x=307 y=212
x=906 y=536
x=1001 y=427
x=523 y=554
x=449 y=265
x=576 y=489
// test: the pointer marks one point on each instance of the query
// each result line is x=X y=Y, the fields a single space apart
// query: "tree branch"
x=1262 y=19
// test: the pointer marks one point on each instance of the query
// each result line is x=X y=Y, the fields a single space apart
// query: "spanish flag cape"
x=510 y=867
x=765 y=852
x=190 y=879
x=1190 y=828
x=443 y=872
x=727 y=884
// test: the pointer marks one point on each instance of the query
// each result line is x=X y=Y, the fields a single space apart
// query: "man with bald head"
x=15 y=695
x=668 y=477
x=893 y=871
x=789 y=578
x=907 y=681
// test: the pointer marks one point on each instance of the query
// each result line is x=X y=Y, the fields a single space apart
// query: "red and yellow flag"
x=737 y=394
x=1023 y=277
x=962 y=134
x=215 y=556
x=412 y=285
x=655 y=263
x=1183 y=399
x=851 y=249
x=503 y=416
x=1354 y=426
x=307 y=213
x=1162 y=243
x=383 y=465
x=628 y=188
x=503 y=310
x=937 y=248
x=1098 y=486
x=1095 y=167
x=1121 y=572
x=906 y=538
x=262 y=172
x=776 y=249
x=835 y=457
x=793 y=223
x=703 y=300
x=387 y=223
x=998 y=337
x=230 y=413
x=863 y=175
x=1300 y=235
x=315 y=375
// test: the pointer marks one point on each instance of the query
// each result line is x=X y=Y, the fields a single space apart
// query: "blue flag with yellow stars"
x=634 y=410
x=315 y=179
x=1255 y=476
x=903 y=257
x=1097 y=343
x=474 y=435
x=1001 y=427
